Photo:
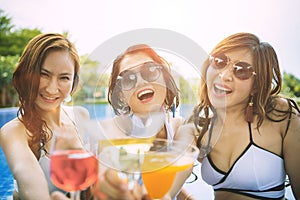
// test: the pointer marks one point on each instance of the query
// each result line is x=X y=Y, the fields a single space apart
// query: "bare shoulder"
x=13 y=132
x=13 y=127
x=77 y=111
x=283 y=106
x=177 y=122
x=186 y=132
x=107 y=123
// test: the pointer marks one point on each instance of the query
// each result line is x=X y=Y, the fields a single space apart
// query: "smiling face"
x=56 y=80
x=224 y=88
x=145 y=96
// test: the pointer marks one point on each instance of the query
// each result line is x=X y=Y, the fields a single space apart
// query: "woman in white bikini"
x=46 y=75
x=248 y=134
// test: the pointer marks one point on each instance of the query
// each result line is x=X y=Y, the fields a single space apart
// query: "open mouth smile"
x=221 y=89
x=145 y=95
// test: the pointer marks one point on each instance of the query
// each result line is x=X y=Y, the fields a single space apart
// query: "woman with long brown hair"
x=247 y=132
x=46 y=75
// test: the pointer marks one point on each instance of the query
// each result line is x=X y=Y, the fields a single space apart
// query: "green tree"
x=6 y=71
x=92 y=87
x=291 y=86
x=12 y=43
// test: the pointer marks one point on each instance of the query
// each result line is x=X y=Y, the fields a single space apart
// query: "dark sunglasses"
x=149 y=71
x=241 y=70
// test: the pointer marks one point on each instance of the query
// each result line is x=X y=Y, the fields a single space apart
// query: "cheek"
x=160 y=91
x=211 y=74
x=43 y=83
x=66 y=88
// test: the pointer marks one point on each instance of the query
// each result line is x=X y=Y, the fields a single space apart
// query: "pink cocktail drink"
x=73 y=170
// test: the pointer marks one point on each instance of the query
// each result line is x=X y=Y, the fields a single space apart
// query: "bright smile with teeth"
x=145 y=95
x=49 y=98
x=221 y=90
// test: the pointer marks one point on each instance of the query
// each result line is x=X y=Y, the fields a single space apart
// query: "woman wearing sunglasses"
x=140 y=85
x=248 y=134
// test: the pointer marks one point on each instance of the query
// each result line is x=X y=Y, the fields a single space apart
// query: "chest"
x=234 y=141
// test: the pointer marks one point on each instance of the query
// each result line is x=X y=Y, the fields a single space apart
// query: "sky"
x=92 y=22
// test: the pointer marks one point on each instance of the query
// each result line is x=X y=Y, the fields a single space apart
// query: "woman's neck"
x=53 y=117
x=230 y=115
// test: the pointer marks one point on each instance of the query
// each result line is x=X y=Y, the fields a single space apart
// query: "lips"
x=222 y=89
x=145 y=95
x=49 y=99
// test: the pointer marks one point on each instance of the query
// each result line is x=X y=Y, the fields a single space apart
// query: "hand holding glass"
x=73 y=165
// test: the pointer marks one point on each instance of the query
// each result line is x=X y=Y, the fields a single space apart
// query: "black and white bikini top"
x=257 y=173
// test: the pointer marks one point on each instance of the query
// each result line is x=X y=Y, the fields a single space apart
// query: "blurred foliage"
x=12 y=43
x=92 y=84
x=8 y=95
x=291 y=86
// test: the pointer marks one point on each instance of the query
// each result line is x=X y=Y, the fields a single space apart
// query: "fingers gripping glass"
x=149 y=71
x=241 y=70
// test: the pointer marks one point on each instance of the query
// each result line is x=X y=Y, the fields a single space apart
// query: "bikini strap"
x=250 y=132
x=289 y=118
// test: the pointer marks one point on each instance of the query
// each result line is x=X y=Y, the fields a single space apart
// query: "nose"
x=226 y=74
x=52 y=86
x=140 y=80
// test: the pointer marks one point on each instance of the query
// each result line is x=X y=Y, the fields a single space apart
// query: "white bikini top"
x=257 y=173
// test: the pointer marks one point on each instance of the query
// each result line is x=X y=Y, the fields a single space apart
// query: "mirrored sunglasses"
x=149 y=71
x=241 y=70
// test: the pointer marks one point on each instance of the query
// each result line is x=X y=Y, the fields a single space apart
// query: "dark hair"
x=266 y=87
x=26 y=79
x=114 y=92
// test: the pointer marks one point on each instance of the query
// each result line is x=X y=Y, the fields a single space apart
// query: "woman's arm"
x=186 y=134
x=291 y=149
x=22 y=162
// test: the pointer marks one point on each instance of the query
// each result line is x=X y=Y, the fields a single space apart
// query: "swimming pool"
x=6 y=183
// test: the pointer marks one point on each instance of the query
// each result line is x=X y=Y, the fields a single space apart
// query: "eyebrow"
x=47 y=71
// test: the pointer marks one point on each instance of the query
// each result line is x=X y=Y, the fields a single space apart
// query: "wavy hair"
x=266 y=87
x=26 y=79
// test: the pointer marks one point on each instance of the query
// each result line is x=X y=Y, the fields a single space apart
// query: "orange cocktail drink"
x=159 y=171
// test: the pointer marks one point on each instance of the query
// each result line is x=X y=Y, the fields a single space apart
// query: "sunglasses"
x=241 y=70
x=149 y=71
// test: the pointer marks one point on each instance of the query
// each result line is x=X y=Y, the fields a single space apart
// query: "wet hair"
x=266 y=87
x=26 y=79
x=114 y=92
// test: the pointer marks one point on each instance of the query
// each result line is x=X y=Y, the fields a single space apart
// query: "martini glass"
x=73 y=162
x=148 y=160
x=161 y=163
x=125 y=155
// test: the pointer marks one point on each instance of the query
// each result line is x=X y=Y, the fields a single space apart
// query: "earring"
x=249 y=110
x=68 y=99
x=173 y=107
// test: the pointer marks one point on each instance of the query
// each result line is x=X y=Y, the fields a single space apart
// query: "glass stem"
x=75 y=195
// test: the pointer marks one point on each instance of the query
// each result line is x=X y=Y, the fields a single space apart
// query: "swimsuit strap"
x=250 y=133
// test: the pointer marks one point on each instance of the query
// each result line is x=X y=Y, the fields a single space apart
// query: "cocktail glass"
x=153 y=161
x=162 y=162
x=73 y=162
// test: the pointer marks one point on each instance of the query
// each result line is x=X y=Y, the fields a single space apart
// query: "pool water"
x=6 y=183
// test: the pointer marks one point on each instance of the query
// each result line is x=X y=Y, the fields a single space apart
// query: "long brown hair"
x=26 y=79
x=114 y=95
x=267 y=84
